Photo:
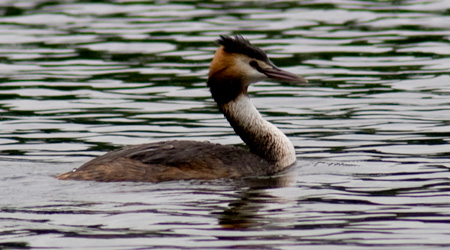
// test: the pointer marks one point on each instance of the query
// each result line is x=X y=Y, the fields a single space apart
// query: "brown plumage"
x=164 y=161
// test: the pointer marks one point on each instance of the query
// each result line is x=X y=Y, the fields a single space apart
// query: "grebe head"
x=237 y=64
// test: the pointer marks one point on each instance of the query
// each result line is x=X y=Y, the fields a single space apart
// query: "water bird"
x=235 y=66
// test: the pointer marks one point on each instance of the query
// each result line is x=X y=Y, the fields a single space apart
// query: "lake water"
x=371 y=130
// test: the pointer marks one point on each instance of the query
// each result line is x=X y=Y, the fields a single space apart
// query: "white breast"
x=265 y=137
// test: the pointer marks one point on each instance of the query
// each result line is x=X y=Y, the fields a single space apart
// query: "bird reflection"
x=243 y=212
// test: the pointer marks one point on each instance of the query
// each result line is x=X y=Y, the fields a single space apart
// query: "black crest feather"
x=240 y=45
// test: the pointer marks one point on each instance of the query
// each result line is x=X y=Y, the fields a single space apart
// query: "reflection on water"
x=371 y=130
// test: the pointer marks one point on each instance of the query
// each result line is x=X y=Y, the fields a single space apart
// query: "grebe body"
x=236 y=65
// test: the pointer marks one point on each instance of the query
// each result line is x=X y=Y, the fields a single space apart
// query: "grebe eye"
x=254 y=64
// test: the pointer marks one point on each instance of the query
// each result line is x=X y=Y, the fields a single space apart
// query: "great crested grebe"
x=236 y=65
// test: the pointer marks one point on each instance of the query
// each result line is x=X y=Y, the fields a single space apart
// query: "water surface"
x=371 y=130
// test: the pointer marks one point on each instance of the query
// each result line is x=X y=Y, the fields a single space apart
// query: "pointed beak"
x=281 y=75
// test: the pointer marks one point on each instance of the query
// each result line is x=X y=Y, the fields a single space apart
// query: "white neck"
x=263 y=138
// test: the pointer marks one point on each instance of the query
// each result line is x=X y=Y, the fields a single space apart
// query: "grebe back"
x=236 y=65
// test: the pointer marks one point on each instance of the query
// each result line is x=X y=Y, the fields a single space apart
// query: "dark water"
x=79 y=78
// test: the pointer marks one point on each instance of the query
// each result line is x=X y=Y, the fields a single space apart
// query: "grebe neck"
x=263 y=138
